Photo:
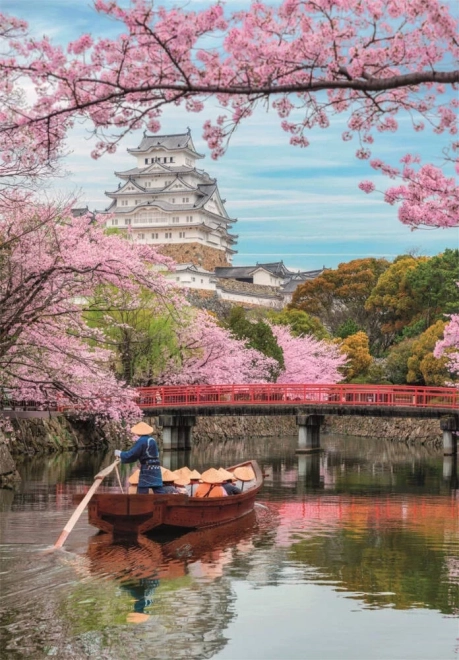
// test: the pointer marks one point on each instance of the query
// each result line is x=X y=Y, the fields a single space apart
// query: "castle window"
x=164 y=159
x=155 y=236
x=140 y=237
x=168 y=234
x=127 y=221
x=146 y=161
x=115 y=221
x=173 y=200
x=185 y=199
x=182 y=234
x=193 y=279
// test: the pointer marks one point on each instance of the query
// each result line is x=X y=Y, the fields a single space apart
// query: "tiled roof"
x=168 y=169
x=235 y=272
x=276 y=267
x=173 y=142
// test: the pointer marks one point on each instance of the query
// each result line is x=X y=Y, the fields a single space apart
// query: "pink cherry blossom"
x=375 y=63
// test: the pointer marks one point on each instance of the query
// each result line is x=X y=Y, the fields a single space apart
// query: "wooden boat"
x=118 y=513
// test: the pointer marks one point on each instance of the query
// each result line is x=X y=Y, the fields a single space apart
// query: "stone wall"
x=195 y=253
x=422 y=431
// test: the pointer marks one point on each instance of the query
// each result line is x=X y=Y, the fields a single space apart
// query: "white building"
x=165 y=200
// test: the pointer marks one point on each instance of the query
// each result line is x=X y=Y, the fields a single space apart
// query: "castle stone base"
x=195 y=253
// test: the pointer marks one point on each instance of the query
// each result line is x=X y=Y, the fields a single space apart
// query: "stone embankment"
x=55 y=434
x=412 y=431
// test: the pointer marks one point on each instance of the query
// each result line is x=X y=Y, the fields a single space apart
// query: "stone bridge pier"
x=309 y=432
x=450 y=427
x=177 y=431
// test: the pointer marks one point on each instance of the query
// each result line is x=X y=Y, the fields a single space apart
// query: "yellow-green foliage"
x=423 y=367
x=357 y=348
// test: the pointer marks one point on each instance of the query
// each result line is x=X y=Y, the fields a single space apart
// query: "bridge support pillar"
x=450 y=428
x=177 y=431
x=308 y=432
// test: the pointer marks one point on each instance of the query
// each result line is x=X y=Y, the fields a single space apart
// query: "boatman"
x=145 y=450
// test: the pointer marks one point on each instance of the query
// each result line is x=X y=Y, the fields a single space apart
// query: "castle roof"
x=174 y=142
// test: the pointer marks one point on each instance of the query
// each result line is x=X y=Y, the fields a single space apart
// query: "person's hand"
x=117 y=453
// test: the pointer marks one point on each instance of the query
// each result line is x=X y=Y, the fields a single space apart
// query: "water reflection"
x=372 y=523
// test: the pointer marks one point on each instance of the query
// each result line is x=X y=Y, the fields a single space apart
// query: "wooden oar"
x=82 y=505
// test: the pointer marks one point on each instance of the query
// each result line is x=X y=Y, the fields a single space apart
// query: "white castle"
x=167 y=201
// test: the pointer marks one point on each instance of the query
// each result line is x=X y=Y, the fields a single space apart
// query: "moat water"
x=352 y=553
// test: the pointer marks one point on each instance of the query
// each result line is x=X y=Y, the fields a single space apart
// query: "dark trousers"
x=143 y=490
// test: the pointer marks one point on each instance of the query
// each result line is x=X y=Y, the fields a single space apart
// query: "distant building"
x=273 y=275
x=166 y=201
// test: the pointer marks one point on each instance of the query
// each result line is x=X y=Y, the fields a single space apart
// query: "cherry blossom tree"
x=308 y=360
x=375 y=62
x=52 y=267
x=208 y=354
x=449 y=346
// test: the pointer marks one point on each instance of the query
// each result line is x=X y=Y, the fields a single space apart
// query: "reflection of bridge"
x=178 y=407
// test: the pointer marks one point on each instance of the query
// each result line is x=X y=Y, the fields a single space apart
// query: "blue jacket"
x=145 y=450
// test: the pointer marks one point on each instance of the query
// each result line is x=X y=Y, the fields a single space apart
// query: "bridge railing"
x=275 y=394
x=270 y=394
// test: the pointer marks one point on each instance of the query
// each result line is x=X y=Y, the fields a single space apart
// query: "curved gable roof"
x=174 y=142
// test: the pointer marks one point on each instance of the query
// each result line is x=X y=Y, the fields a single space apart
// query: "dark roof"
x=172 y=142
x=276 y=267
x=234 y=272
x=77 y=212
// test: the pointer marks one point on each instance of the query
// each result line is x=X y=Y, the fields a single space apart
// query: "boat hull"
x=124 y=514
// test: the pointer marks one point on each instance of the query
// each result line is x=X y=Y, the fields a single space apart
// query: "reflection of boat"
x=137 y=514
x=144 y=558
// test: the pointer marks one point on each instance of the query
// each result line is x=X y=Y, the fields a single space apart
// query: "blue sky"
x=299 y=205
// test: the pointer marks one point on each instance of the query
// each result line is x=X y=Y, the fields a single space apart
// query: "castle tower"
x=167 y=201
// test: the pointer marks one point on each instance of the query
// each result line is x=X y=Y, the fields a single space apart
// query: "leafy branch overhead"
x=377 y=63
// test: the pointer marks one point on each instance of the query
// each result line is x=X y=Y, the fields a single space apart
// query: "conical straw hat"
x=166 y=474
x=212 y=476
x=244 y=473
x=179 y=480
x=142 y=429
x=134 y=478
x=194 y=475
x=185 y=471
x=226 y=474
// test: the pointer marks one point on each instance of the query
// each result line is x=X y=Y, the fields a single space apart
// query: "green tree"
x=299 y=322
x=346 y=329
x=142 y=336
x=434 y=285
x=257 y=334
x=397 y=361
x=393 y=299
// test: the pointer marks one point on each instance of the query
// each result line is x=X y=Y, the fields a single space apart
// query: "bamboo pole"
x=82 y=505
x=119 y=479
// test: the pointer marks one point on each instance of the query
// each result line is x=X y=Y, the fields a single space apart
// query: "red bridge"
x=178 y=407
x=428 y=399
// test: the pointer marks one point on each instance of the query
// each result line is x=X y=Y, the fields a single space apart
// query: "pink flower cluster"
x=375 y=62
